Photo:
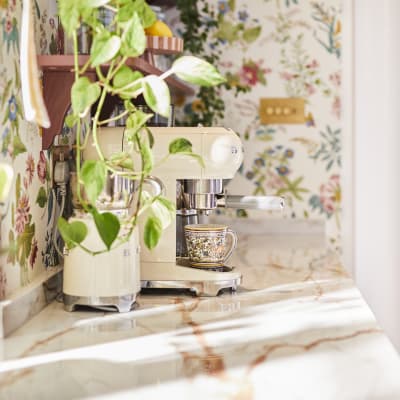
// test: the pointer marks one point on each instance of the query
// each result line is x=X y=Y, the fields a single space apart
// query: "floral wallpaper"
x=24 y=228
x=269 y=48
x=283 y=48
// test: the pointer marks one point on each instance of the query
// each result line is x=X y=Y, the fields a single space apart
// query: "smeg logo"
x=236 y=150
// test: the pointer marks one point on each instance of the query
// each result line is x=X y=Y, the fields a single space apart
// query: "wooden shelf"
x=58 y=78
x=65 y=63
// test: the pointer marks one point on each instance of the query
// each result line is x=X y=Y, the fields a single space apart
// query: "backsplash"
x=31 y=205
x=283 y=48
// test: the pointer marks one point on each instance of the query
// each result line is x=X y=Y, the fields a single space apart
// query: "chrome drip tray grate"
x=184 y=262
x=223 y=268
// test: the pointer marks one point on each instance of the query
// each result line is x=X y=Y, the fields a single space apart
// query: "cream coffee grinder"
x=110 y=279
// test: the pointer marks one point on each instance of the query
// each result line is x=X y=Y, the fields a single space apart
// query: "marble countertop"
x=298 y=328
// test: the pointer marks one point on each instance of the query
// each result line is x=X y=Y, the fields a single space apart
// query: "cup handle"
x=234 y=240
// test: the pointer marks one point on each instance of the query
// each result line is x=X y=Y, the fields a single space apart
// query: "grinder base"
x=119 y=303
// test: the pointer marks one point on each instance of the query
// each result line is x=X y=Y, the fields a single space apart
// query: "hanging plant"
x=123 y=37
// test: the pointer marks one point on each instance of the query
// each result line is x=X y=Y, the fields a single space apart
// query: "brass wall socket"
x=281 y=110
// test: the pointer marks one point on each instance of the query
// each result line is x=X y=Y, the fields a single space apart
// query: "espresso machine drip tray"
x=181 y=276
x=206 y=288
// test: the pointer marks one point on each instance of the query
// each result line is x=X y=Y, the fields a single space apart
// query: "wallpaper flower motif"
x=10 y=106
x=330 y=26
x=330 y=149
x=294 y=51
x=10 y=30
x=30 y=170
x=271 y=172
x=335 y=80
x=42 y=167
x=299 y=72
x=235 y=25
x=327 y=202
x=22 y=214
x=48 y=44
x=247 y=76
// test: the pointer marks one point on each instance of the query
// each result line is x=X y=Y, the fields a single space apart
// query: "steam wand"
x=270 y=203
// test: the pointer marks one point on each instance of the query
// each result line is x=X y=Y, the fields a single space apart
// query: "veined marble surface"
x=297 y=329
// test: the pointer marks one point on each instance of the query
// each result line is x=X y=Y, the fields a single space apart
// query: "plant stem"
x=133 y=175
x=85 y=67
x=140 y=188
x=78 y=128
x=119 y=116
x=113 y=9
x=98 y=111
x=120 y=64
x=167 y=73
x=163 y=76
x=100 y=74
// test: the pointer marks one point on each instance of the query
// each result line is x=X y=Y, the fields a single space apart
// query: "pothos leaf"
x=195 y=70
x=184 y=147
x=73 y=233
x=133 y=38
x=95 y=3
x=104 y=48
x=69 y=13
x=83 y=94
x=71 y=120
x=147 y=156
x=108 y=226
x=152 y=232
x=146 y=14
x=156 y=95
x=122 y=160
x=93 y=175
x=164 y=210
x=180 y=145
x=150 y=137
x=124 y=77
x=137 y=120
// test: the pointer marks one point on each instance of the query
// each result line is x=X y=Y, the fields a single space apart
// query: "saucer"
x=206 y=265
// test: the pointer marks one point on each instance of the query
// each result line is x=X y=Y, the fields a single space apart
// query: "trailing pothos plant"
x=112 y=45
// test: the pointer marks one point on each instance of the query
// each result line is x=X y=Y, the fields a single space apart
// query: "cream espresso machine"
x=197 y=191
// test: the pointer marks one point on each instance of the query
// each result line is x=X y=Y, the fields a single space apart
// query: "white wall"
x=377 y=159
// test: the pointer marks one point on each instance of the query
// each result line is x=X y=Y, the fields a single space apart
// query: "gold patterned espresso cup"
x=208 y=246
